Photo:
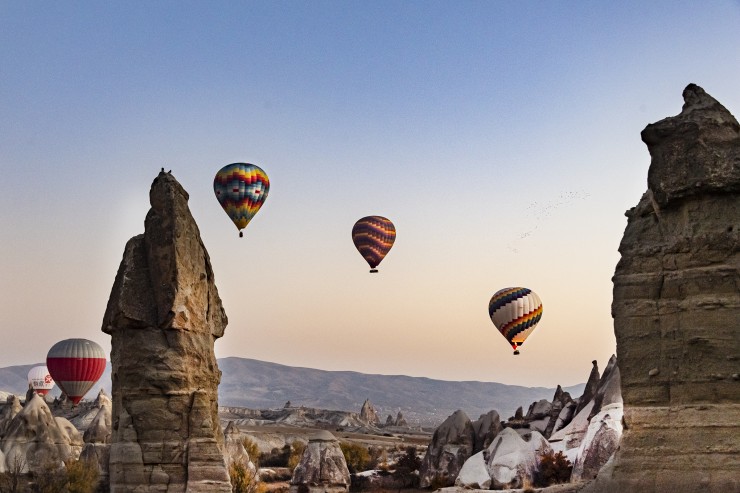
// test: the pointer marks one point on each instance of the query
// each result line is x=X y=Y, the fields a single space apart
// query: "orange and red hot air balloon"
x=75 y=365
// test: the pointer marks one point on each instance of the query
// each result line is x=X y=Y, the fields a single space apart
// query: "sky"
x=502 y=138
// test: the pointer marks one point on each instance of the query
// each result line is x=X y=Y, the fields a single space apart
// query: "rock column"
x=676 y=310
x=164 y=315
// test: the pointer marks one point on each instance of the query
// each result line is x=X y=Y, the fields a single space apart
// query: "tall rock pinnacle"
x=676 y=309
x=164 y=315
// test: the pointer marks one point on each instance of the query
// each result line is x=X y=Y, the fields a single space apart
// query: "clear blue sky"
x=502 y=139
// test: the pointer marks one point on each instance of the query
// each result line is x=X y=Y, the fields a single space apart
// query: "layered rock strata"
x=676 y=309
x=164 y=315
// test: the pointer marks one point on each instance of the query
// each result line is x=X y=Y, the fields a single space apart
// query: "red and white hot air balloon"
x=75 y=365
x=40 y=380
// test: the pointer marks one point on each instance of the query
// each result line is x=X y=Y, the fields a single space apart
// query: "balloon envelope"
x=75 y=365
x=40 y=380
x=515 y=312
x=241 y=189
x=373 y=237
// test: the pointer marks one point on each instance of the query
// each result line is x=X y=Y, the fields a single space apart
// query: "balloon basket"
x=516 y=352
x=373 y=271
x=241 y=234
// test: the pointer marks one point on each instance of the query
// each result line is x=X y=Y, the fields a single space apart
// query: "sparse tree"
x=11 y=481
x=243 y=478
x=356 y=456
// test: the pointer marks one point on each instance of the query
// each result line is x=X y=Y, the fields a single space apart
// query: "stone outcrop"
x=8 y=412
x=561 y=411
x=513 y=461
x=97 y=436
x=368 y=413
x=591 y=384
x=676 y=308
x=322 y=468
x=452 y=444
x=38 y=438
x=486 y=428
x=389 y=421
x=400 y=420
x=164 y=315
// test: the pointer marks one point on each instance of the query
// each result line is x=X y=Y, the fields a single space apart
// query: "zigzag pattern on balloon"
x=514 y=330
x=241 y=189
x=373 y=237
x=504 y=297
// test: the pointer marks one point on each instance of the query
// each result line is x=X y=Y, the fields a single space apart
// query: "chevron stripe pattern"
x=373 y=237
x=241 y=189
x=515 y=312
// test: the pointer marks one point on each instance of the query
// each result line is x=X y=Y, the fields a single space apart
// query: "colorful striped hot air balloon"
x=75 y=365
x=515 y=312
x=40 y=380
x=241 y=189
x=373 y=237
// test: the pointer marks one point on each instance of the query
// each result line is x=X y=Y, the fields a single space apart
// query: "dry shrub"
x=82 y=476
x=356 y=456
x=243 y=478
x=252 y=450
x=296 y=452
x=553 y=468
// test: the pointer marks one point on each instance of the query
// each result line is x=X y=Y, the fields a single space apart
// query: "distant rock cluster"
x=492 y=454
x=32 y=438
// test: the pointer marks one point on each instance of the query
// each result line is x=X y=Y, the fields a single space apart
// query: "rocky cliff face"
x=676 y=309
x=164 y=315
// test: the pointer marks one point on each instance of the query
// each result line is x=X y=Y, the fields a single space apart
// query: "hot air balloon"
x=373 y=237
x=75 y=365
x=515 y=312
x=40 y=380
x=241 y=189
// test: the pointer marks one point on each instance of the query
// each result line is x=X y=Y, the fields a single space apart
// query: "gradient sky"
x=502 y=138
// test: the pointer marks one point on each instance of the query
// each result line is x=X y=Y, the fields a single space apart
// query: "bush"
x=356 y=456
x=252 y=450
x=82 y=476
x=296 y=452
x=11 y=481
x=553 y=468
x=276 y=457
x=409 y=462
x=243 y=479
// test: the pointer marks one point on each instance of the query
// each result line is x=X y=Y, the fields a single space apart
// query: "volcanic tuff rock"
x=368 y=413
x=97 y=436
x=164 y=315
x=39 y=438
x=452 y=444
x=322 y=467
x=486 y=428
x=676 y=309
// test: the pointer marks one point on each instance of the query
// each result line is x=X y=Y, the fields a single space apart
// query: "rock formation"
x=164 y=315
x=400 y=420
x=560 y=412
x=97 y=436
x=389 y=421
x=676 y=308
x=38 y=438
x=512 y=461
x=486 y=428
x=368 y=413
x=8 y=412
x=322 y=468
x=452 y=444
x=590 y=390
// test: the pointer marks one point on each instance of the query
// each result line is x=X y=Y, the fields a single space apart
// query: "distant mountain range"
x=262 y=385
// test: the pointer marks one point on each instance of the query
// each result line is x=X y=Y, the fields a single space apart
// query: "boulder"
x=474 y=473
x=164 y=315
x=452 y=444
x=322 y=467
x=676 y=305
x=512 y=461
x=486 y=428
x=600 y=442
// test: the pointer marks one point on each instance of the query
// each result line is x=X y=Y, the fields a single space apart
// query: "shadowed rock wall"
x=676 y=310
x=164 y=315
